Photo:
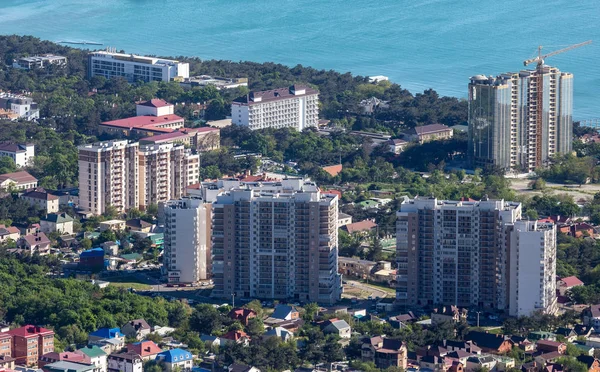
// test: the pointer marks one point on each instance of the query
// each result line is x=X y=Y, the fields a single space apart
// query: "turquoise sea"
x=419 y=44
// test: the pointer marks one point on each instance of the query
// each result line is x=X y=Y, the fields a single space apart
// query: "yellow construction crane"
x=539 y=59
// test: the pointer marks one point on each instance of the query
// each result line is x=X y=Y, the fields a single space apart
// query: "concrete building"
x=153 y=117
x=57 y=222
x=186 y=257
x=135 y=68
x=18 y=181
x=532 y=268
x=426 y=133
x=202 y=139
x=461 y=253
x=126 y=175
x=22 y=106
x=503 y=128
x=22 y=154
x=217 y=82
x=30 y=342
x=275 y=240
x=42 y=199
x=44 y=60
x=294 y=107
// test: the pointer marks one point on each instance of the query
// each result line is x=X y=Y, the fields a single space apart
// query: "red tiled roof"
x=333 y=170
x=333 y=192
x=145 y=122
x=571 y=281
x=41 y=194
x=360 y=226
x=144 y=348
x=155 y=102
x=37 y=238
x=18 y=177
x=30 y=331
x=181 y=133
x=235 y=335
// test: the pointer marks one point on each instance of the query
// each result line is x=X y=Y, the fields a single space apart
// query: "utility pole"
x=233 y=299
x=478 y=312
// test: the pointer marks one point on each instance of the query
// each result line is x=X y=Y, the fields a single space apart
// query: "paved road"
x=368 y=290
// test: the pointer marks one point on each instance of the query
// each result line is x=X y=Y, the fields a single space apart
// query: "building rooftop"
x=40 y=194
x=12 y=147
x=37 y=238
x=175 y=355
x=107 y=333
x=30 y=331
x=180 y=133
x=571 y=281
x=364 y=225
x=275 y=94
x=154 y=102
x=58 y=218
x=431 y=128
x=18 y=177
x=92 y=351
x=65 y=366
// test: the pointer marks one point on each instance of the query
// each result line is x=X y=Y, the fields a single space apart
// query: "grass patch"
x=127 y=285
x=381 y=287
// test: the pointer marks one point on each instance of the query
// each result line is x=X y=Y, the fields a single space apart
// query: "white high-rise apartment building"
x=532 y=268
x=275 y=240
x=474 y=254
x=135 y=68
x=126 y=175
x=186 y=256
x=503 y=128
x=295 y=107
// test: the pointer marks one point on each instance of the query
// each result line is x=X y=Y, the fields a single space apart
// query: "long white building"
x=295 y=107
x=532 y=268
x=22 y=154
x=126 y=175
x=186 y=256
x=134 y=68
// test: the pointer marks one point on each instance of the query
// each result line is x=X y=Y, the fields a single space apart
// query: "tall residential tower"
x=276 y=240
x=463 y=253
x=503 y=128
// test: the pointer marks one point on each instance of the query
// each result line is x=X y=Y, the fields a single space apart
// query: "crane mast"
x=539 y=98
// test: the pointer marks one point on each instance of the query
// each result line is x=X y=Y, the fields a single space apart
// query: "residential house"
x=385 y=305
x=176 y=359
x=344 y=219
x=333 y=170
x=137 y=224
x=29 y=342
x=285 y=312
x=565 y=284
x=362 y=227
x=108 y=339
x=568 y=333
x=114 y=225
x=242 y=315
x=397 y=145
x=523 y=343
x=7 y=363
x=280 y=332
x=125 y=362
x=338 y=327
x=355 y=267
x=489 y=342
x=384 y=352
x=583 y=330
x=402 y=320
x=210 y=340
x=17 y=181
x=235 y=367
x=448 y=314
x=42 y=199
x=541 y=335
x=21 y=154
x=147 y=350
x=481 y=362
x=547 y=346
x=10 y=232
x=61 y=223
x=95 y=356
x=137 y=329
x=110 y=248
x=91 y=260
x=547 y=358
x=433 y=363
x=592 y=363
x=584 y=349
x=5 y=344
x=66 y=366
x=54 y=357
x=591 y=316
x=428 y=133
x=238 y=337
x=35 y=243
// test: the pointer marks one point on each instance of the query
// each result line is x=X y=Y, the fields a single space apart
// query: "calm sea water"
x=419 y=44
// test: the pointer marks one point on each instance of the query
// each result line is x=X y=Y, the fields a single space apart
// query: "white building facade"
x=134 y=68
x=187 y=240
x=22 y=154
x=294 y=107
x=532 y=268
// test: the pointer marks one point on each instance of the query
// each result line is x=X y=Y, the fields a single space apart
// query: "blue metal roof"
x=107 y=333
x=175 y=356
x=94 y=252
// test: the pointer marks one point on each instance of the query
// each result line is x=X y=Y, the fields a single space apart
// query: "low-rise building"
x=42 y=199
x=337 y=327
x=242 y=315
x=9 y=233
x=125 y=362
x=54 y=357
x=91 y=260
x=428 y=133
x=384 y=352
x=17 y=181
x=147 y=350
x=41 y=61
x=397 y=145
x=591 y=316
x=344 y=219
x=564 y=285
x=137 y=329
x=217 y=82
x=355 y=267
x=30 y=342
x=280 y=332
x=137 y=224
x=61 y=223
x=489 y=342
x=35 y=243
x=21 y=154
x=362 y=227
x=95 y=356
x=67 y=366
x=176 y=359
x=548 y=346
x=450 y=314
x=22 y=106
x=238 y=337
x=113 y=225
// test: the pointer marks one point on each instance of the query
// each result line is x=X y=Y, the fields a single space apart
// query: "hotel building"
x=295 y=107
x=463 y=253
x=503 y=128
x=135 y=68
x=187 y=240
x=126 y=175
x=276 y=240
